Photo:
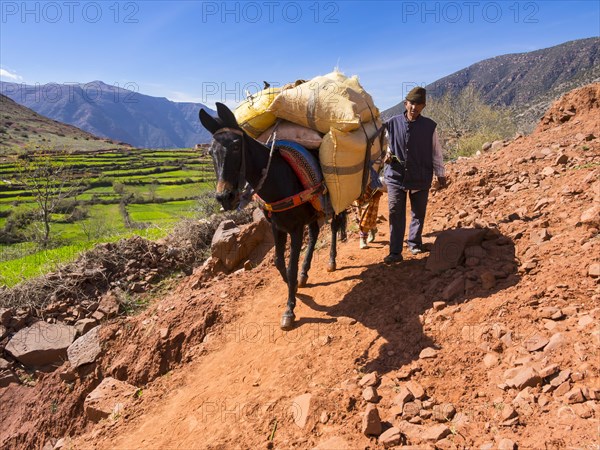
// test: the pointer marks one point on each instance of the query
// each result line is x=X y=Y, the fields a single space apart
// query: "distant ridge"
x=114 y=112
x=21 y=127
x=525 y=82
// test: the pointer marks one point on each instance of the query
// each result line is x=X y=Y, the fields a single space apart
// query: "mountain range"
x=114 y=112
x=525 y=82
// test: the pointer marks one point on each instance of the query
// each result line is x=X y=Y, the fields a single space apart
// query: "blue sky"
x=216 y=51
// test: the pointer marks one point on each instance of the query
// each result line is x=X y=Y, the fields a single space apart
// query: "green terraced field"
x=120 y=193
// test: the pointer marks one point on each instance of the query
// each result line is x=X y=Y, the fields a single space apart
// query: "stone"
x=524 y=377
x=562 y=376
x=591 y=216
x=438 y=306
x=540 y=236
x=549 y=370
x=543 y=400
x=584 y=321
x=490 y=360
x=444 y=412
x=556 y=340
x=108 y=395
x=486 y=146
x=435 y=433
x=371 y=424
x=574 y=396
x=300 y=409
x=109 y=305
x=41 y=344
x=561 y=159
x=508 y=412
x=390 y=437
x=344 y=320
x=562 y=389
x=4 y=364
x=85 y=349
x=535 y=342
x=454 y=289
x=411 y=409
x=550 y=312
x=370 y=379
x=496 y=145
x=506 y=444
x=415 y=389
x=370 y=394
x=404 y=396
x=84 y=325
x=548 y=171
x=7 y=377
x=594 y=270
x=428 y=353
x=232 y=245
x=448 y=249
x=583 y=410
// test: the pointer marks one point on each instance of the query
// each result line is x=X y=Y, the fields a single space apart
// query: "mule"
x=238 y=158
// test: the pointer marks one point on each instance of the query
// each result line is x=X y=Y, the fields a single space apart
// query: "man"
x=414 y=155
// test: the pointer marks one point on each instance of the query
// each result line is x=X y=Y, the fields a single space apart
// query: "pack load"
x=325 y=102
x=252 y=114
x=342 y=157
x=288 y=131
x=330 y=112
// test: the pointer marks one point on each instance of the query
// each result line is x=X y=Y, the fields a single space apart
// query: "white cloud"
x=5 y=75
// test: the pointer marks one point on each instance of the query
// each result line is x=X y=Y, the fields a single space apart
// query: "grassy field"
x=116 y=193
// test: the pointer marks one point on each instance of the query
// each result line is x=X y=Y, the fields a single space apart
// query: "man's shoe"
x=415 y=250
x=371 y=237
x=392 y=258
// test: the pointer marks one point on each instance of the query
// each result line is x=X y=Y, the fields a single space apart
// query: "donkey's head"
x=227 y=152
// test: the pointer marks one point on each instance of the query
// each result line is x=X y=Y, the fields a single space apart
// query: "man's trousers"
x=397 y=205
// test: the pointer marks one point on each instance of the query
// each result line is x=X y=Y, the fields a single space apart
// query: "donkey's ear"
x=227 y=116
x=208 y=121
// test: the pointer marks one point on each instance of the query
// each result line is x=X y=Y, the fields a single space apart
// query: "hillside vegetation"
x=98 y=196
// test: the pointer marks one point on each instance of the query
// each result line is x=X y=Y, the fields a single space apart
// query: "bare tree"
x=466 y=122
x=50 y=180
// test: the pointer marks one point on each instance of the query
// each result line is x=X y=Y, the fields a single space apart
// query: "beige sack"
x=342 y=158
x=252 y=114
x=289 y=131
x=324 y=102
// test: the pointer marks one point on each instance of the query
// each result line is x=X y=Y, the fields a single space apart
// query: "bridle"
x=242 y=175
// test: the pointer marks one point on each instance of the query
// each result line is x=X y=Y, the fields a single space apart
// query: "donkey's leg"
x=336 y=225
x=313 y=234
x=287 y=320
x=343 y=225
x=280 y=238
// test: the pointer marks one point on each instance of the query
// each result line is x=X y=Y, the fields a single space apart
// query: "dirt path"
x=501 y=351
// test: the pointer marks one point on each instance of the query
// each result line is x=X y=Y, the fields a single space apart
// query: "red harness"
x=293 y=201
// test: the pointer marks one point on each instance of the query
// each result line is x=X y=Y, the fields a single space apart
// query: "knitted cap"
x=416 y=95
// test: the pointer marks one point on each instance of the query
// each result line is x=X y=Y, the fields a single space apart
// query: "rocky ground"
x=490 y=340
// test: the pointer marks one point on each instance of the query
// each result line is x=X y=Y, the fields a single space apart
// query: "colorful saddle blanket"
x=308 y=170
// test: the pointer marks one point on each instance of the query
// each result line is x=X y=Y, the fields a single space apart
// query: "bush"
x=465 y=122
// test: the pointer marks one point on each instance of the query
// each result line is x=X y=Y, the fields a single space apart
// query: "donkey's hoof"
x=287 y=322
x=302 y=281
x=331 y=267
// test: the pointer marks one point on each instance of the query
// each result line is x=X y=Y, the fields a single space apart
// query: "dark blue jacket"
x=412 y=145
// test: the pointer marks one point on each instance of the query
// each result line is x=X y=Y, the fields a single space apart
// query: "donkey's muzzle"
x=228 y=199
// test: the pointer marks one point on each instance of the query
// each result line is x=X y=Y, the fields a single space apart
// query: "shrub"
x=465 y=122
